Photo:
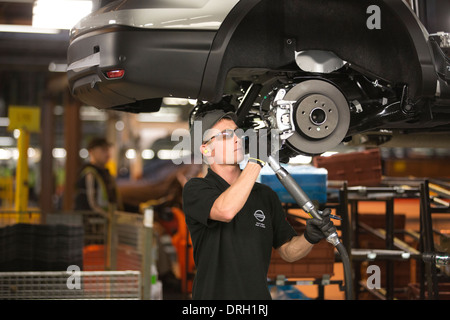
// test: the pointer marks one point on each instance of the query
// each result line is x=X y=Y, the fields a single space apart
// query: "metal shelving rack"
x=394 y=248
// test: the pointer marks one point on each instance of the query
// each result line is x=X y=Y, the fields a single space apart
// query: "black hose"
x=347 y=271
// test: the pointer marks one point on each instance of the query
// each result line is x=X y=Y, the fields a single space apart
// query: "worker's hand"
x=258 y=146
x=317 y=229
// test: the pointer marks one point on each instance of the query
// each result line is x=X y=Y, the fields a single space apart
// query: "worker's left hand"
x=317 y=229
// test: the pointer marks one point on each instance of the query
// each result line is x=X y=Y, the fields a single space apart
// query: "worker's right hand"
x=317 y=229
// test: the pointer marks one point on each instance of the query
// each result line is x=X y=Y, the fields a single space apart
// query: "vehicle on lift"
x=333 y=68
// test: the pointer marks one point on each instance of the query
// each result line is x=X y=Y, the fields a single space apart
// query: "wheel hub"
x=321 y=116
x=317 y=116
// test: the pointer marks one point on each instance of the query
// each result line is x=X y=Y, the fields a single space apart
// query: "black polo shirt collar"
x=217 y=180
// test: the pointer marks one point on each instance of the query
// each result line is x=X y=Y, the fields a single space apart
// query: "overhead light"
x=5 y=154
x=57 y=67
x=4 y=121
x=26 y=29
x=130 y=154
x=147 y=154
x=88 y=113
x=6 y=141
x=59 y=153
x=165 y=154
x=60 y=14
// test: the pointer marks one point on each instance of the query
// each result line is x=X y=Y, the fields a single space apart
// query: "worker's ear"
x=208 y=153
x=204 y=149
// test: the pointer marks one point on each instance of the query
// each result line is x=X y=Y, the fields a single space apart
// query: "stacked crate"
x=28 y=247
x=319 y=261
x=357 y=168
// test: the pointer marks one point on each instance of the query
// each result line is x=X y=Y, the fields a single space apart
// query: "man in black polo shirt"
x=234 y=221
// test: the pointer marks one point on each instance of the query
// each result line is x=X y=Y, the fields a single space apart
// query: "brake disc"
x=321 y=116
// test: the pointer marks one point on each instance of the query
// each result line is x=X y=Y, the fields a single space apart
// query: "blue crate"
x=312 y=180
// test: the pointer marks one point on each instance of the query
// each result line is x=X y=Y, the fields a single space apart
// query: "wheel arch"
x=266 y=33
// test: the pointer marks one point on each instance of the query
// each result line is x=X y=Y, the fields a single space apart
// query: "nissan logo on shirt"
x=259 y=215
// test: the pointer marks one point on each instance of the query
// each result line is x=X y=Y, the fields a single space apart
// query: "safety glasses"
x=226 y=134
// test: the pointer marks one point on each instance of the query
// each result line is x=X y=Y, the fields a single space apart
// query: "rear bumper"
x=156 y=64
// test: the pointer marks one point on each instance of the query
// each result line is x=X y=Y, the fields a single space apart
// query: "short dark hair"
x=98 y=142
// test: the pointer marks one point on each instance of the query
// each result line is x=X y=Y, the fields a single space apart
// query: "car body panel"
x=188 y=15
x=128 y=50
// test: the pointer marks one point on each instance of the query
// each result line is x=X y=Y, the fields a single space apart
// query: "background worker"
x=96 y=187
x=234 y=221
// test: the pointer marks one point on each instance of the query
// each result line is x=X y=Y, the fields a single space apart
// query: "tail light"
x=115 y=74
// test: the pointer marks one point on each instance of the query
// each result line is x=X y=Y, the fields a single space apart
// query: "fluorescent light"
x=7 y=141
x=130 y=154
x=57 y=67
x=147 y=154
x=88 y=113
x=4 y=121
x=15 y=153
x=31 y=152
x=165 y=154
x=59 y=153
x=8 y=153
x=26 y=29
x=60 y=14
x=5 y=154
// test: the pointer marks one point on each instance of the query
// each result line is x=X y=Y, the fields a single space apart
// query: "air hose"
x=305 y=203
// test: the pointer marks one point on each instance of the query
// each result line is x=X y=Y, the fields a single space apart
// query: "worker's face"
x=225 y=147
x=100 y=155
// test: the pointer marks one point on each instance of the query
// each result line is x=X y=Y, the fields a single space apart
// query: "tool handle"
x=300 y=197
x=294 y=189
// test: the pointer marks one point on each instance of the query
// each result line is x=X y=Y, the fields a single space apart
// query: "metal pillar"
x=72 y=135
x=148 y=255
x=47 y=143
x=427 y=245
x=389 y=246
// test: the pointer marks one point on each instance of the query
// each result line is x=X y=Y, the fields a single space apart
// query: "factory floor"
x=409 y=207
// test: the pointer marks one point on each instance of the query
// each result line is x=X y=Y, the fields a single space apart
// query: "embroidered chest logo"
x=260 y=217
